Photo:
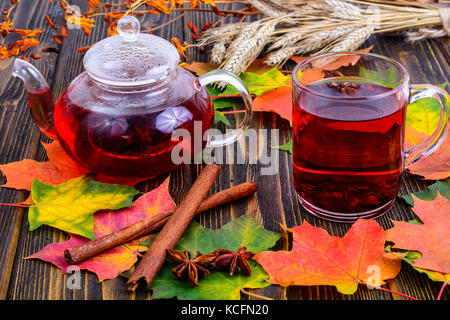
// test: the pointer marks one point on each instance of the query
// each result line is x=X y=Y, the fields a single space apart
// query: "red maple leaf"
x=109 y=264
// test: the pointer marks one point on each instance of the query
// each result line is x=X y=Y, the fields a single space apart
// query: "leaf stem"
x=442 y=290
x=392 y=292
x=166 y=23
x=255 y=295
x=228 y=96
x=233 y=112
x=15 y=205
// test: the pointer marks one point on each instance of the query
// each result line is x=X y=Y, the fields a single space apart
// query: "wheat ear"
x=247 y=51
x=352 y=40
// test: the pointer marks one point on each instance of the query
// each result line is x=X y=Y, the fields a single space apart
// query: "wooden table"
x=276 y=200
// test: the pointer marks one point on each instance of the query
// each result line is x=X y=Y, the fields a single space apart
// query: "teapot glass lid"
x=131 y=58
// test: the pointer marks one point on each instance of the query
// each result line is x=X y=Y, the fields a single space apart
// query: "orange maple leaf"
x=320 y=259
x=435 y=166
x=60 y=168
x=430 y=239
x=278 y=100
x=257 y=66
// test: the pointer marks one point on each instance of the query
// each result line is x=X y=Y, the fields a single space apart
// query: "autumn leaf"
x=60 y=168
x=317 y=72
x=423 y=115
x=21 y=174
x=244 y=231
x=385 y=78
x=217 y=285
x=410 y=256
x=285 y=147
x=422 y=119
x=70 y=206
x=272 y=81
x=430 y=193
x=258 y=84
x=345 y=61
x=430 y=238
x=435 y=166
x=111 y=263
x=200 y=68
x=320 y=259
x=338 y=63
x=219 y=117
x=278 y=100
x=310 y=76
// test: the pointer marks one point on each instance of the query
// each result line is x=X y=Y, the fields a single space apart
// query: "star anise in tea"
x=231 y=260
x=344 y=87
x=190 y=269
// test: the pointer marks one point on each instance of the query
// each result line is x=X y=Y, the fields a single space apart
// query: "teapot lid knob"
x=129 y=28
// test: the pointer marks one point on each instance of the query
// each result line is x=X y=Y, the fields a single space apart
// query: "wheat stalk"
x=269 y=8
x=320 y=26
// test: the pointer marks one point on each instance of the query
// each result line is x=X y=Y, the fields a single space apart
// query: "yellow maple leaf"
x=70 y=206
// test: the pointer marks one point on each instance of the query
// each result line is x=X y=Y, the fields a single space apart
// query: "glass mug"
x=349 y=133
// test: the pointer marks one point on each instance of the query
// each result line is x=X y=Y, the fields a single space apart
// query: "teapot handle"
x=230 y=78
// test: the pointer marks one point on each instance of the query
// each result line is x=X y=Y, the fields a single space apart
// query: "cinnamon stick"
x=148 y=225
x=154 y=259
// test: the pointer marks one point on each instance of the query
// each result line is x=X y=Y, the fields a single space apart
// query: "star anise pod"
x=187 y=268
x=344 y=87
x=229 y=259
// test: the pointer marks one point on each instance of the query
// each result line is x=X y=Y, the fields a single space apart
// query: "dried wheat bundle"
x=296 y=27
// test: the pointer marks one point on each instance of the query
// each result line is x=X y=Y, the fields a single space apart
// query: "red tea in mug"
x=348 y=154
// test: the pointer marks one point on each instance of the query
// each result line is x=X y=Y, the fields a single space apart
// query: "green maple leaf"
x=285 y=147
x=257 y=84
x=218 y=285
x=245 y=231
x=430 y=192
x=220 y=117
x=70 y=206
x=220 y=103
x=386 y=78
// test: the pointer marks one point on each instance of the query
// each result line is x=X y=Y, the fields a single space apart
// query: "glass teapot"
x=118 y=116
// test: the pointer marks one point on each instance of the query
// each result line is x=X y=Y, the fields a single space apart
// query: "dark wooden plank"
x=275 y=202
x=19 y=137
x=268 y=205
x=426 y=62
x=47 y=281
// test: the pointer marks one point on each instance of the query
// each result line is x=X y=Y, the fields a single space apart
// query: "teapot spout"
x=40 y=98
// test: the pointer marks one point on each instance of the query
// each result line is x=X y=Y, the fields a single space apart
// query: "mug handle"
x=233 y=80
x=420 y=91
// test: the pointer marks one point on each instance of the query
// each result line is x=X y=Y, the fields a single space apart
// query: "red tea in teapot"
x=123 y=140
x=350 y=165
